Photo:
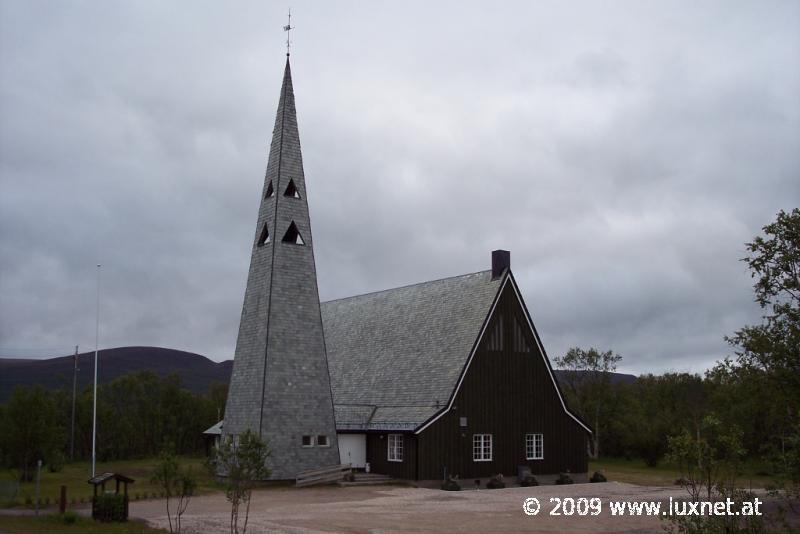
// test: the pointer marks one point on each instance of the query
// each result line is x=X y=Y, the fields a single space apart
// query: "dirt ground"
x=377 y=509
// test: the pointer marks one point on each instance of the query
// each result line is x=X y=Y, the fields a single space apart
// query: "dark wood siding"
x=377 y=456
x=508 y=394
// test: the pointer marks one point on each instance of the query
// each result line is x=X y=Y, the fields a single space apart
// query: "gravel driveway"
x=377 y=509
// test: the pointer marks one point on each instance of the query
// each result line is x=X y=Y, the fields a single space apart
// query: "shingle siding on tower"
x=281 y=326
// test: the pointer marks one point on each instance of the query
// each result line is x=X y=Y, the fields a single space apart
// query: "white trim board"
x=506 y=277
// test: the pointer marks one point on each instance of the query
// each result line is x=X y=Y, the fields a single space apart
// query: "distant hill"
x=196 y=372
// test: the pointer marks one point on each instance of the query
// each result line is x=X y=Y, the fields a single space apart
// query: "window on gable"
x=264 y=237
x=308 y=441
x=395 y=448
x=534 y=446
x=270 y=190
x=293 y=236
x=481 y=447
x=291 y=190
x=496 y=335
x=322 y=441
x=520 y=341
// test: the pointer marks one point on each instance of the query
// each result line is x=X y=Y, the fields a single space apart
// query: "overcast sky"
x=623 y=152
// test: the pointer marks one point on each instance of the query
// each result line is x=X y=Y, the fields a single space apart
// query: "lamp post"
x=94 y=396
x=74 y=393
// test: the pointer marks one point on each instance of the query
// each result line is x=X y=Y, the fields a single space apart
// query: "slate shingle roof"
x=395 y=356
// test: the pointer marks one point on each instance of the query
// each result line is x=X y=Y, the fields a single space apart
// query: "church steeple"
x=280 y=385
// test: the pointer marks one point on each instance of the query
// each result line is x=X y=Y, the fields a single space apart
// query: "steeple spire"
x=280 y=385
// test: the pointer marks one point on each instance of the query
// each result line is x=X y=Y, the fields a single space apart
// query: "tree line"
x=138 y=415
x=634 y=420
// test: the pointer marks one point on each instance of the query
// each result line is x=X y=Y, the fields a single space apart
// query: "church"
x=440 y=378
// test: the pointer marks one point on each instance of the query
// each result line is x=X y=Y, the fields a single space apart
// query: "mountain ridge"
x=197 y=372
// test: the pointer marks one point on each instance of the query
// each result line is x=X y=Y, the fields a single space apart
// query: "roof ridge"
x=386 y=405
x=407 y=285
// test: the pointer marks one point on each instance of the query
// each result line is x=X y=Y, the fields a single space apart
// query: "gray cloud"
x=623 y=154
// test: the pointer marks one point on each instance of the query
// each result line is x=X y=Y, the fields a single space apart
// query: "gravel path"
x=378 y=509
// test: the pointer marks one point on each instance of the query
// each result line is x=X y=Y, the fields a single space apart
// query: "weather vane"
x=288 y=28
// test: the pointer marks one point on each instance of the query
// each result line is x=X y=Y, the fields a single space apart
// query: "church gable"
x=506 y=405
x=509 y=341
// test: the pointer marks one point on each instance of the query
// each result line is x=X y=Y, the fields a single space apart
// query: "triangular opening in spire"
x=270 y=190
x=291 y=190
x=293 y=236
x=264 y=238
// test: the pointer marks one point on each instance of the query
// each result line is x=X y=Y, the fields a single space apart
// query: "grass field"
x=76 y=475
x=637 y=472
x=51 y=523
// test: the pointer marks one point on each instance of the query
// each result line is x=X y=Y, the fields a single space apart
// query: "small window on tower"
x=264 y=237
x=291 y=190
x=322 y=441
x=270 y=190
x=293 y=235
x=308 y=441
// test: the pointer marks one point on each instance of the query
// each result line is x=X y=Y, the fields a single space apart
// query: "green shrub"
x=598 y=477
x=651 y=458
x=564 y=478
x=451 y=484
x=56 y=461
x=68 y=518
x=496 y=482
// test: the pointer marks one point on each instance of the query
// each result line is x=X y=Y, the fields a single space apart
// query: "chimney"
x=501 y=260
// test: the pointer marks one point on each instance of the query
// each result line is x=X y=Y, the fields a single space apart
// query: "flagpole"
x=94 y=396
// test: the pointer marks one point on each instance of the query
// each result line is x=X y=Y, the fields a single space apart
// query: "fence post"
x=38 y=476
x=62 y=503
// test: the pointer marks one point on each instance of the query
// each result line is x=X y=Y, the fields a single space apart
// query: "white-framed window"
x=395 y=448
x=308 y=441
x=482 y=447
x=534 y=446
x=322 y=441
